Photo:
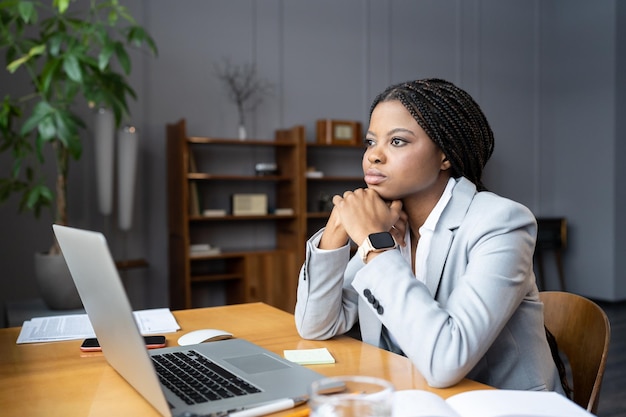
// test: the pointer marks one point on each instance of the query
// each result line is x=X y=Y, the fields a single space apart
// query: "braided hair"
x=451 y=118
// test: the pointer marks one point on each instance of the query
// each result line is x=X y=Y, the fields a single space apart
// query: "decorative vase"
x=128 y=147
x=104 y=145
x=243 y=135
x=55 y=282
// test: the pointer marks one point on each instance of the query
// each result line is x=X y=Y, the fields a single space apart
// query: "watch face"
x=382 y=240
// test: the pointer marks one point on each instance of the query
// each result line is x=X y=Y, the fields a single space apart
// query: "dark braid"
x=452 y=119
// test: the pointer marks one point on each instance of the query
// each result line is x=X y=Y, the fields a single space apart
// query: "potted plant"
x=75 y=54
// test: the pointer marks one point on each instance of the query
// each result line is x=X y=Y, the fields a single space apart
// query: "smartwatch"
x=376 y=242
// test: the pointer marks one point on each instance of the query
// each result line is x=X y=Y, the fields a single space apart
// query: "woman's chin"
x=384 y=194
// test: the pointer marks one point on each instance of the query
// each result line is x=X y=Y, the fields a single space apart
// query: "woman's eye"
x=397 y=141
x=368 y=142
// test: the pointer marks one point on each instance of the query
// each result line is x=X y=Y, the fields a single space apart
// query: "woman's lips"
x=374 y=177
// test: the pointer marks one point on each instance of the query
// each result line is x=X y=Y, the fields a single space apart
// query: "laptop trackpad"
x=257 y=363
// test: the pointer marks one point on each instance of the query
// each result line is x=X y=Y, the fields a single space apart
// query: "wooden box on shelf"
x=249 y=204
x=338 y=132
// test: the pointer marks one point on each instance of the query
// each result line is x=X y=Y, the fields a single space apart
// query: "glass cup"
x=351 y=396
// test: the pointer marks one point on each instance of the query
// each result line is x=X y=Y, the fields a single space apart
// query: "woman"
x=458 y=294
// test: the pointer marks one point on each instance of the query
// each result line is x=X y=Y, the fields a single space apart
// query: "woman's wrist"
x=333 y=240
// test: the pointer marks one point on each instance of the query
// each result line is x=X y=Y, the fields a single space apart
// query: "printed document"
x=78 y=326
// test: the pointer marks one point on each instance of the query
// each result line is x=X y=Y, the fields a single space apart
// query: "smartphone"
x=152 y=342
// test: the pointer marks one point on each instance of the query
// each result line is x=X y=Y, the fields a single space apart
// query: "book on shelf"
x=214 y=213
x=283 y=212
x=203 y=249
x=485 y=403
x=314 y=174
x=194 y=199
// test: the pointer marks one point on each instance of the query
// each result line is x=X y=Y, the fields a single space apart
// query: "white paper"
x=78 y=326
x=419 y=403
x=509 y=403
x=157 y=320
x=485 y=403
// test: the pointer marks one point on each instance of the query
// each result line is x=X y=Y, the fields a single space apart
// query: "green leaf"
x=27 y=10
x=13 y=66
x=46 y=193
x=61 y=5
x=55 y=42
x=17 y=167
x=105 y=56
x=47 y=129
x=7 y=112
x=67 y=126
x=63 y=127
x=39 y=143
x=152 y=45
x=48 y=74
x=37 y=198
x=35 y=50
x=123 y=12
x=112 y=18
x=137 y=36
x=71 y=66
x=122 y=57
x=40 y=112
x=90 y=62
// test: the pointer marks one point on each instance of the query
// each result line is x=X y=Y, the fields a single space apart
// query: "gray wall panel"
x=547 y=75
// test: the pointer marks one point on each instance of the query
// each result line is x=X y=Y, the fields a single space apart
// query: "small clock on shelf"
x=338 y=132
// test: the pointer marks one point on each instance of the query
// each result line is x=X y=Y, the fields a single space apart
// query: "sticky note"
x=309 y=356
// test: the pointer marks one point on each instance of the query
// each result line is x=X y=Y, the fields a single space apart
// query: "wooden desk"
x=57 y=379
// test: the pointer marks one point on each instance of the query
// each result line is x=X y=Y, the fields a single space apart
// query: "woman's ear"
x=445 y=163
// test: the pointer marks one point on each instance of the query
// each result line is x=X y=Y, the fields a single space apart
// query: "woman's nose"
x=375 y=156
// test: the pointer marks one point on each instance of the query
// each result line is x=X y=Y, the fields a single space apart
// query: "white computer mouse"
x=203 y=335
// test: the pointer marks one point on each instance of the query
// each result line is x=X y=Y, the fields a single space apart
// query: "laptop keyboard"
x=196 y=379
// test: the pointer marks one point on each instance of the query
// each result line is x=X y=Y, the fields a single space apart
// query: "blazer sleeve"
x=326 y=303
x=487 y=273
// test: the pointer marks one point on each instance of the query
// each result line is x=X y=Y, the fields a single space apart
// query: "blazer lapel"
x=450 y=219
x=439 y=249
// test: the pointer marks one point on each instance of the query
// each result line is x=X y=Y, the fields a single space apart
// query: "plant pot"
x=55 y=282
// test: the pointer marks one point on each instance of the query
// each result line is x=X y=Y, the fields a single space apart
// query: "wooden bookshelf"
x=266 y=269
x=259 y=272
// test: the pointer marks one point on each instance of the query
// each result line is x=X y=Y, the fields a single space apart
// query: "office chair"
x=582 y=332
x=551 y=237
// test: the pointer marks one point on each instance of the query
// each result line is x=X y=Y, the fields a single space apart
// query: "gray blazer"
x=477 y=315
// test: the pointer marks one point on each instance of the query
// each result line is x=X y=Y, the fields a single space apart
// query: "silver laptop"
x=254 y=375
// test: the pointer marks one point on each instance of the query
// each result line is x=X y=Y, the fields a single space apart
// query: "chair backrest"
x=582 y=332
